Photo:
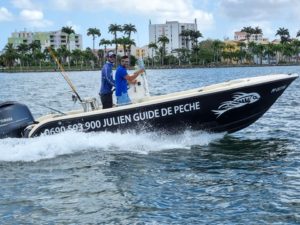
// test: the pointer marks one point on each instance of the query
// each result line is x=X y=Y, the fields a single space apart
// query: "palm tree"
x=194 y=35
x=10 y=55
x=230 y=51
x=130 y=42
x=114 y=28
x=269 y=51
x=94 y=32
x=22 y=50
x=2 y=60
x=298 y=34
x=186 y=36
x=89 y=57
x=217 y=48
x=35 y=47
x=68 y=31
x=125 y=42
x=152 y=46
x=77 y=56
x=278 y=50
x=288 y=51
x=101 y=56
x=163 y=40
x=39 y=56
x=48 y=56
x=182 y=55
x=242 y=46
x=257 y=31
x=62 y=54
x=296 y=46
x=252 y=50
x=104 y=42
x=249 y=31
x=259 y=50
x=284 y=35
x=128 y=29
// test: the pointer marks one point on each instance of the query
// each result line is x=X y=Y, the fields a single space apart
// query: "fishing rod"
x=55 y=110
x=64 y=74
x=141 y=65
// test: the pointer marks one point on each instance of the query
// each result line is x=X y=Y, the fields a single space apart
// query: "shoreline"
x=41 y=70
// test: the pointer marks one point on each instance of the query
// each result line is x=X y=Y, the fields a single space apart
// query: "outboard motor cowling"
x=14 y=118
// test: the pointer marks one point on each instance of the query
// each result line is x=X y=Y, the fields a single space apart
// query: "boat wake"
x=46 y=147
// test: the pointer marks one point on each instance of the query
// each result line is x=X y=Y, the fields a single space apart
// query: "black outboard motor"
x=14 y=118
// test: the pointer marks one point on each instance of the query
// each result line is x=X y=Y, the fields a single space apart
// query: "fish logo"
x=240 y=99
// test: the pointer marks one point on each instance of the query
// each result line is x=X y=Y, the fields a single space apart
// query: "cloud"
x=269 y=15
x=23 y=4
x=182 y=11
x=77 y=28
x=156 y=10
x=31 y=15
x=34 y=18
x=257 y=10
x=5 y=15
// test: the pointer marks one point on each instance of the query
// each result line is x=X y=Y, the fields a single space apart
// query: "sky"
x=216 y=19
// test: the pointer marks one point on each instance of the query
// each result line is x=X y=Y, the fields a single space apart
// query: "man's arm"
x=107 y=76
x=131 y=78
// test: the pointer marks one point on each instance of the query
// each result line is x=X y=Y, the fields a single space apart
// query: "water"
x=249 y=177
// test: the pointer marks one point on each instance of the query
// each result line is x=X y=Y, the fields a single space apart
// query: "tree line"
x=205 y=53
x=26 y=56
x=215 y=52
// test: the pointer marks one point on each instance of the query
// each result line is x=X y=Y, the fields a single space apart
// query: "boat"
x=225 y=107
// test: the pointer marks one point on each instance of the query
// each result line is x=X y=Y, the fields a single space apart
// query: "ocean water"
x=249 y=177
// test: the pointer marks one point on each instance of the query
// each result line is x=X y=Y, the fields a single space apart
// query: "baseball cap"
x=111 y=55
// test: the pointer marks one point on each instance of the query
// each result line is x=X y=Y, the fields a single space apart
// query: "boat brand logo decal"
x=5 y=120
x=240 y=99
x=275 y=90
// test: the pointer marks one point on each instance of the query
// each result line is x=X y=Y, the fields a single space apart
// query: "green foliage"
x=132 y=60
x=94 y=32
x=284 y=35
x=2 y=64
x=68 y=31
x=207 y=52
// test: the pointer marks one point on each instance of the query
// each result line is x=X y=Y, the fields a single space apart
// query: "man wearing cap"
x=107 y=81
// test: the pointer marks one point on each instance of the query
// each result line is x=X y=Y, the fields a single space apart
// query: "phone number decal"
x=91 y=125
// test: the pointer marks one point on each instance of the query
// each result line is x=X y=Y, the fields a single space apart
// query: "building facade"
x=172 y=30
x=55 y=39
x=137 y=52
x=242 y=36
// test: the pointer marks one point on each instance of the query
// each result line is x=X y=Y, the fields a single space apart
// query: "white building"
x=58 y=39
x=55 y=39
x=172 y=30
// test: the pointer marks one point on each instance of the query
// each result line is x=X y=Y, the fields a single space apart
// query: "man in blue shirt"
x=107 y=81
x=122 y=78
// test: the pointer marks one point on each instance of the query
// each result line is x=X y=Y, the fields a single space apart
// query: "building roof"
x=240 y=33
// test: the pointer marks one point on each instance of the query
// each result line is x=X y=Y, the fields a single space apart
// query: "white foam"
x=45 y=147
